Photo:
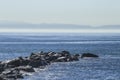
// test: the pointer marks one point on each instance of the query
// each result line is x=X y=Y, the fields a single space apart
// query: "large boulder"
x=89 y=55
x=17 y=62
x=14 y=63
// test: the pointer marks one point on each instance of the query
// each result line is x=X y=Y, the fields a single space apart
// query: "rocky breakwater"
x=16 y=68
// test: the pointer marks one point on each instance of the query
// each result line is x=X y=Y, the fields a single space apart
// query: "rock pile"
x=14 y=69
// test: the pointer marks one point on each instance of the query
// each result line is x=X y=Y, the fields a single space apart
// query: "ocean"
x=107 y=46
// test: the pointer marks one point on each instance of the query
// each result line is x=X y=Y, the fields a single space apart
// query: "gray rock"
x=89 y=55
x=26 y=68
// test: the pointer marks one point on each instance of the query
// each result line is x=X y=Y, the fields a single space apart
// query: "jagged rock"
x=89 y=55
x=24 y=62
x=51 y=53
x=73 y=58
x=37 y=63
x=12 y=69
x=11 y=74
x=51 y=58
x=26 y=68
x=14 y=63
x=14 y=76
x=61 y=59
x=2 y=68
x=17 y=62
x=34 y=56
x=65 y=53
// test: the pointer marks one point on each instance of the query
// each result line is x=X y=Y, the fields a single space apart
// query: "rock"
x=26 y=68
x=10 y=71
x=65 y=53
x=2 y=68
x=11 y=74
x=51 y=58
x=33 y=56
x=17 y=62
x=74 y=57
x=77 y=55
x=89 y=55
x=1 y=78
x=51 y=53
x=14 y=63
x=14 y=69
x=61 y=59
x=24 y=62
x=37 y=63
x=14 y=76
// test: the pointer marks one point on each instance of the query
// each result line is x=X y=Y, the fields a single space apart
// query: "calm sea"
x=107 y=46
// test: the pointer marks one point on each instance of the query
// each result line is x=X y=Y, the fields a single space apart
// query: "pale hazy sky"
x=83 y=12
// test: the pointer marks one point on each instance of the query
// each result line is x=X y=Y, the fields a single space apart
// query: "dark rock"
x=17 y=62
x=14 y=76
x=11 y=71
x=65 y=53
x=33 y=56
x=51 y=53
x=14 y=69
x=61 y=59
x=1 y=78
x=73 y=58
x=89 y=55
x=26 y=68
x=24 y=62
x=2 y=67
x=14 y=63
x=37 y=63
x=51 y=58
x=11 y=74
x=77 y=55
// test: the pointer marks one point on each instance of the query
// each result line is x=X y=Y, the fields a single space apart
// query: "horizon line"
x=58 y=31
x=38 y=23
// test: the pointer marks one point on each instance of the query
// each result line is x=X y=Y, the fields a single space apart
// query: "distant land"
x=17 y=25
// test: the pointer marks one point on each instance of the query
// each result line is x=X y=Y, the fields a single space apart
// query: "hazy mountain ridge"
x=17 y=25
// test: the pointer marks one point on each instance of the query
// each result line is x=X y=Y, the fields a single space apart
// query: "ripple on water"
x=85 y=69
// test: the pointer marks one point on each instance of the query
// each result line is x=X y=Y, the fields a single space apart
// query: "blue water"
x=107 y=46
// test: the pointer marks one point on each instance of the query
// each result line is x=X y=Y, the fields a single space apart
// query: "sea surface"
x=107 y=46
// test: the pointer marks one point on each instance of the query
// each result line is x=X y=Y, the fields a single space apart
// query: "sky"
x=80 y=12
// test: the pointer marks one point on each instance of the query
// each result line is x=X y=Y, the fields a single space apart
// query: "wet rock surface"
x=88 y=55
x=13 y=69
